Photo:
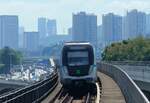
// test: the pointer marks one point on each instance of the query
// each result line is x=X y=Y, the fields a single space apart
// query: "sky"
x=62 y=10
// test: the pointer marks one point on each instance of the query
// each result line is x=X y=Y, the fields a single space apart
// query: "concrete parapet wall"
x=131 y=91
x=143 y=85
x=134 y=63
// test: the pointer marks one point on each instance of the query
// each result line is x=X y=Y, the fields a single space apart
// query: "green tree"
x=137 y=49
x=9 y=57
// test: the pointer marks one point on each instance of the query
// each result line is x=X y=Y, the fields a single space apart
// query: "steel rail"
x=87 y=100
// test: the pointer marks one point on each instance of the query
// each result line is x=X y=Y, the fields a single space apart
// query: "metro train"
x=78 y=64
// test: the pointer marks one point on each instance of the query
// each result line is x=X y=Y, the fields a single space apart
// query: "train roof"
x=77 y=43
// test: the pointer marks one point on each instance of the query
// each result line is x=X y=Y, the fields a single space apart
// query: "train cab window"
x=77 y=55
x=78 y=58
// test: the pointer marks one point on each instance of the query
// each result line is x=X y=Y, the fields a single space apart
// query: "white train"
x=78 y=64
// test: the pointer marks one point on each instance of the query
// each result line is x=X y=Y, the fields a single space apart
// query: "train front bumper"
x=90 y=78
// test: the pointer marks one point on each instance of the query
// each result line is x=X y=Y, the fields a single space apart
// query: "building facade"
x=134 y=24
x=148 y=25
x=111 y=28
x=42 y=27
x=69 y=31
x=9 y=31
x=1 y=35
x=31 y=41
x=100 y=36
x=21 y=34
x=51 y=27
x=84 y=28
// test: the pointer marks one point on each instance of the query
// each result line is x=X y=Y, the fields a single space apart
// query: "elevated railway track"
x=105 y=90
x=84 y=94
x=115 y=87
x=110 y=88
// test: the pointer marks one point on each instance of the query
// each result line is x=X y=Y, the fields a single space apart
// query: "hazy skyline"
x=61 y=10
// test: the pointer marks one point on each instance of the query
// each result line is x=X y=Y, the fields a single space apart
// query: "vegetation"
x=128 y=50
x=9 y=57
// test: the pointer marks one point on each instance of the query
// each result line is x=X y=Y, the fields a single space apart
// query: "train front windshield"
x=78 y=58
x=77 y=55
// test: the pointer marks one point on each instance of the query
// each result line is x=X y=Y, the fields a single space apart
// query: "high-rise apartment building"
x=42 y=27
x=51 y=27
x=84 y=28
x=69 y=31
x=21 y=34
x=134 y=24
x=100 y=37
x=148 y=25
x=31 y=41
x=9 y=31
x=111 y=28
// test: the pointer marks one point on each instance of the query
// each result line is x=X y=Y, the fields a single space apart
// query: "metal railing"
x=33 y=93
x=130 y=90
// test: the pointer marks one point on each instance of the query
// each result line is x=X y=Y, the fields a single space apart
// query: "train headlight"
x=92 y=69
